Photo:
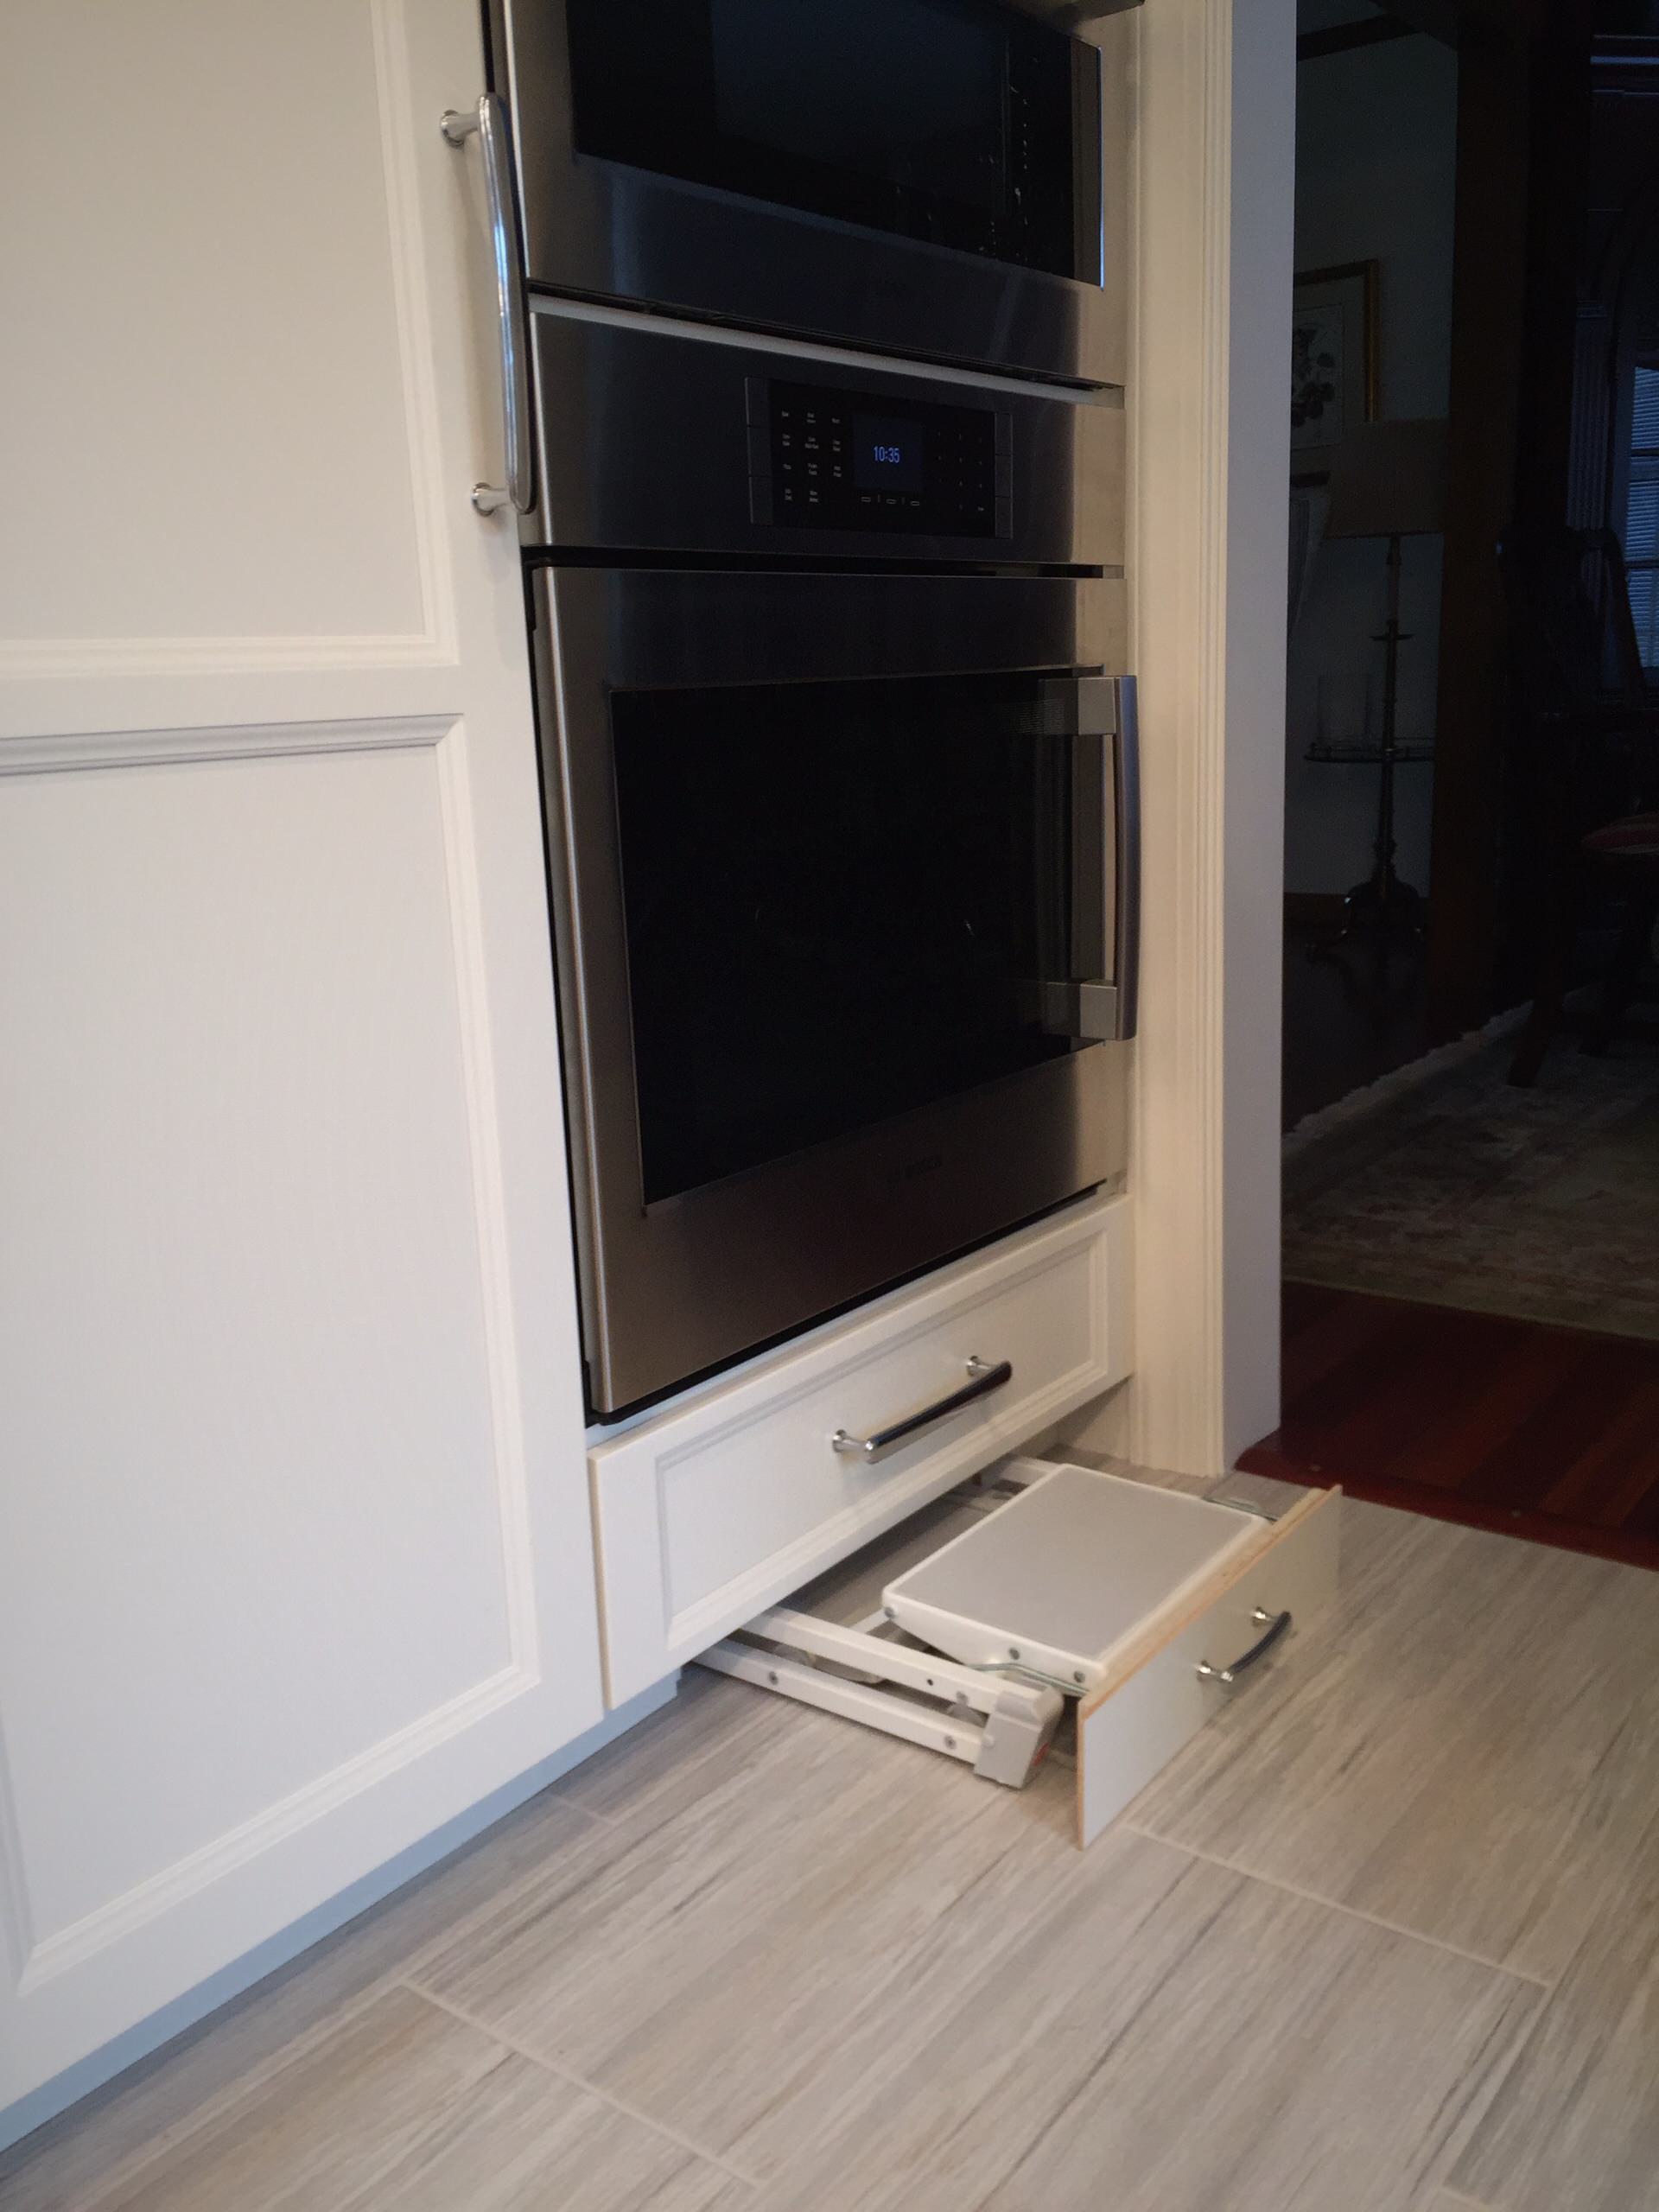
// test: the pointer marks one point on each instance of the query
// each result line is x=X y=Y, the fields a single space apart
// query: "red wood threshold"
x=1547 y=1433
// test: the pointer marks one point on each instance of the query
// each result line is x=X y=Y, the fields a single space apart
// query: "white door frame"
x=1214 y=122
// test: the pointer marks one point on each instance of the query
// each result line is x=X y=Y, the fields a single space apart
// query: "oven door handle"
x=489 y=123
x=1125 y=892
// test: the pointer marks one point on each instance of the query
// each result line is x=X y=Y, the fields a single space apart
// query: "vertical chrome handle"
x=1126 y=872
x=490 y=122
x=1107 y=872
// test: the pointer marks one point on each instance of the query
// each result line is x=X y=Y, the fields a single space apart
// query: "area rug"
x=1457 y=1189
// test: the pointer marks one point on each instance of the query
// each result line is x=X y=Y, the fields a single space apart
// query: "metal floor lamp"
x=1387 y=481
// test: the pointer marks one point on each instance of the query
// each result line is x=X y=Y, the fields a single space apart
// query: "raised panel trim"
x=412 y=307
x=17 y=1923
x=147 y=1901
x=145 y=748
x=63 y=658
x=435 y=644
x=489 y=1201
x=36 y=1962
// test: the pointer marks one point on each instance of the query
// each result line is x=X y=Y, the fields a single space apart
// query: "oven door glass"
x=957 y=121
x=843 y=901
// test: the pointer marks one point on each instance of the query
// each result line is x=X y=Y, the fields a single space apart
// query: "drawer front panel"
x=719 y=1508
x=1131 y=1730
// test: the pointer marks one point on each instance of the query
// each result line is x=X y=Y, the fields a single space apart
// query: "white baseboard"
x=91 y=2073
x=1400 y=1080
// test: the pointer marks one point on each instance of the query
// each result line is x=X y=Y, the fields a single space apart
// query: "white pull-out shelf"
x=969 y=1631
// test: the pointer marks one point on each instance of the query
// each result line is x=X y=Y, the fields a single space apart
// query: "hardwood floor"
x=1543 y=1433
x=1385 y=1938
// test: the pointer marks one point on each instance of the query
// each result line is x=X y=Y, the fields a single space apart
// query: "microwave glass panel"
x=951 y=121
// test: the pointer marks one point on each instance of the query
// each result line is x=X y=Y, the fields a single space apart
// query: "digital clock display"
x=887 y=454
x=824 y=458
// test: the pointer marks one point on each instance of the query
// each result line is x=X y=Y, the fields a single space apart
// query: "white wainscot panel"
x=218 y=442
x=261 y=1530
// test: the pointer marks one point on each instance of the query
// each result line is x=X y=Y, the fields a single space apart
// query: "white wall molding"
x=63 y=659
x=149 y=748
x=17 y=1924
x=19 y=2119
x=188 y=1878
x=1214 y=177
x=489 y=1205
x=400 y=116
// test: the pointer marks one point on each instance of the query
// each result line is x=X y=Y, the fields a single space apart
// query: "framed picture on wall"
x=1332 y=353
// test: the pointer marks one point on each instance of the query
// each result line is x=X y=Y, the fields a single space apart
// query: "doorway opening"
x=1472 y=1001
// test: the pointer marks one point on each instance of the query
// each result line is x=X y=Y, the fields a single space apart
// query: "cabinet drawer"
x=721 y=1506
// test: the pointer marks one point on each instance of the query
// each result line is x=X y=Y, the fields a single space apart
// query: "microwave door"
x=916 y=176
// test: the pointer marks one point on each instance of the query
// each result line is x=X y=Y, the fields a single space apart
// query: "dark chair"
x=1589 y=719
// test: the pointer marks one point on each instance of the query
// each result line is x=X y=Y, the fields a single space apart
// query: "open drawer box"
x=1047 y=1587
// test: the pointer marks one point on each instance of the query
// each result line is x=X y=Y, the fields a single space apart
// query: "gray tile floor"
x=1386 y=1939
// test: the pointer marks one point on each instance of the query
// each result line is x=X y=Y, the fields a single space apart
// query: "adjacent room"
x=1472 y=1045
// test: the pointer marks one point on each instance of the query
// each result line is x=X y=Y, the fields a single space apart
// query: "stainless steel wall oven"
x=843 y=841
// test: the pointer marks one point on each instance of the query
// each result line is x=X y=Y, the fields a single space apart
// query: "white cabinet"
x=295 y=1549
x=721 y=1505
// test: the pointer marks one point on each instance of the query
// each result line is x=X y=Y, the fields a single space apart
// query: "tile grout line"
x=593 y=1813
x=476 y=1914
x=574 y=2080
x=201 y=2118
x=1354 y=1911
x=223 y=2101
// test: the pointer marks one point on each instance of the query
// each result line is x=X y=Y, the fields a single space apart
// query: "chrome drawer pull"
x=869 y=1449
x=1278 y=1624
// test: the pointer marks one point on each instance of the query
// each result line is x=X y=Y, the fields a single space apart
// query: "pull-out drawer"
x=716 y=1509
x=1124 y=1613
x=1148 y=1607
x=1193 y=1653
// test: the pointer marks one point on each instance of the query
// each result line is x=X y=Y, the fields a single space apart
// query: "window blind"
x=1641 y=515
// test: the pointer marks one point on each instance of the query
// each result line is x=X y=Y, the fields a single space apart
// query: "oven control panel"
x=826 y=458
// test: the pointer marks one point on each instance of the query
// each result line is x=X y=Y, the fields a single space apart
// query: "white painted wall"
x=1376 y=177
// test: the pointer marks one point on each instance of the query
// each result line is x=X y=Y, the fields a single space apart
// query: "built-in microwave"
x=918 y=176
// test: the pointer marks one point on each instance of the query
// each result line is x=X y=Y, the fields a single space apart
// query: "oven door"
x=920 y=176
x=844 y=907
